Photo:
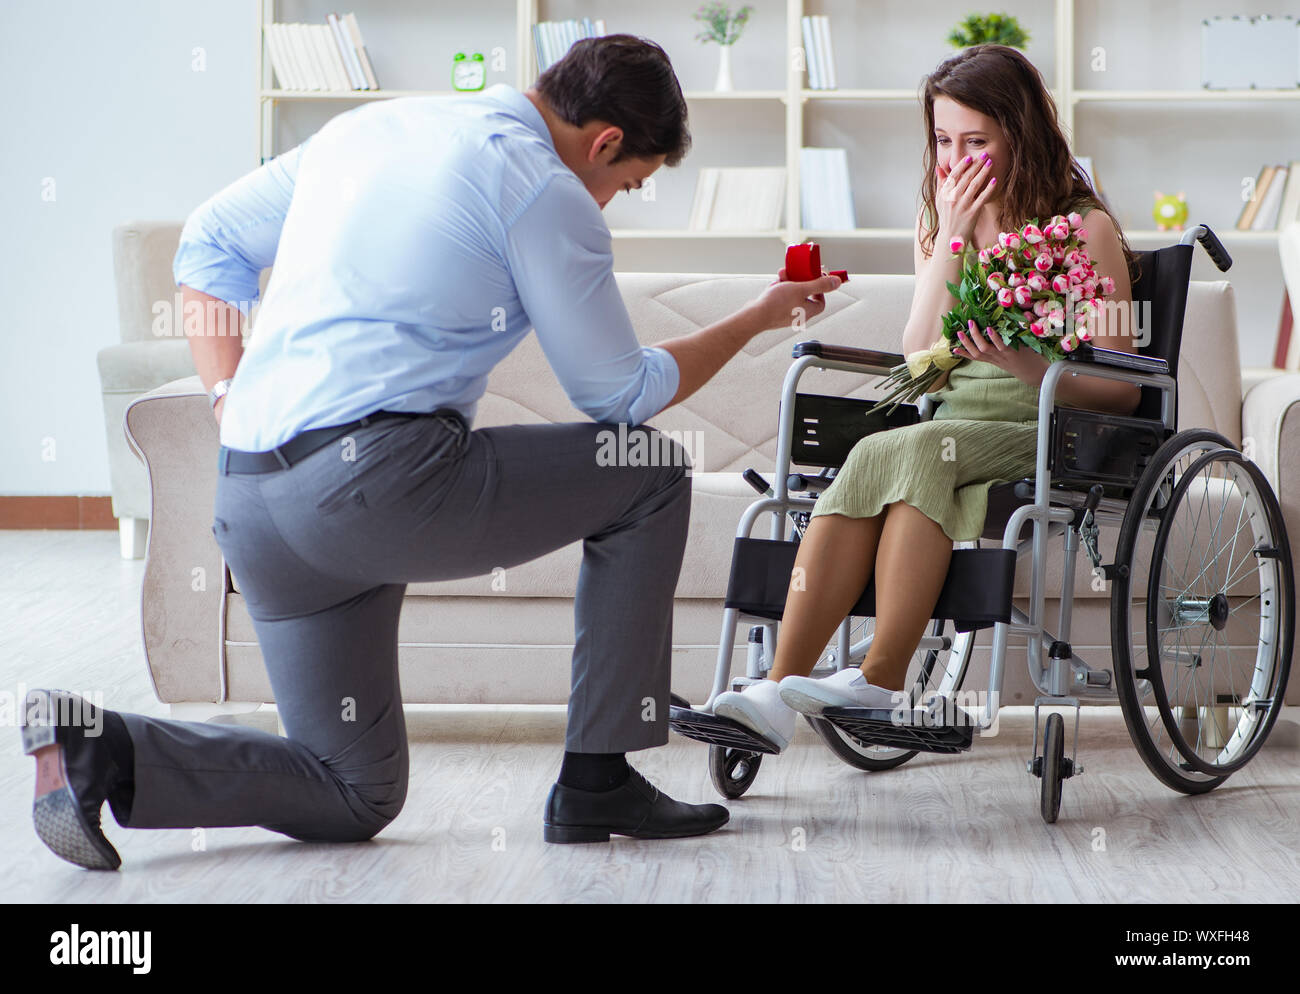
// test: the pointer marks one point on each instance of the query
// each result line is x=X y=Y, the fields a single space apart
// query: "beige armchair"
x=152 y=351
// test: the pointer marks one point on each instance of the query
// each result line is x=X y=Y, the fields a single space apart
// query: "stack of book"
x=1085 y=163
x=553 y=39
x=329 y=56
x=825 y=195
x=747 y=198
x=818 y=54
x=1276 y=202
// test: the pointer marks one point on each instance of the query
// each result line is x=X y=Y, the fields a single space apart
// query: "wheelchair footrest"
x=716 y=730
x=883 y=727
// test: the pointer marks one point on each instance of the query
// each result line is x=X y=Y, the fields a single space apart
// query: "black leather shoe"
x=637 y=809
x=74 y=773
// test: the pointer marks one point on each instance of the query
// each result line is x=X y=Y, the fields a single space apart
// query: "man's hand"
x=776 y=307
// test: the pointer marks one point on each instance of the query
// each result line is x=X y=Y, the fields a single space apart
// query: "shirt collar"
x=522 y=108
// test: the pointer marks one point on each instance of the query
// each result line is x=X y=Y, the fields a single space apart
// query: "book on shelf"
x=1090 y=170
x=553 y=39
x=1285 y=355
x=1271 y=202
x=819 y=57
x=320 y=57
x=741 y=198
x=825 y=193
x=1276 y=202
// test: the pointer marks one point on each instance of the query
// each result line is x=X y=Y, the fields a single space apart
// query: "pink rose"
x=996 y=281
x=1037 y=328
x=1062 y=231
x=1060 y=283
x=1081 y=234
x=984 y=257
x=1058 y=253
x=1072 y=258
x=1037 y=282
x=1084 y=334
x=1040 y=308
x=1013 y=240
x=1023 y=295
x=998 y=252
x=1016 y=280
x=1068 y=343
x=1043 y=263
x=1032 y=234
x=1006 y=297
x=956 y=245
x=1075 y=219
x=1107 y=285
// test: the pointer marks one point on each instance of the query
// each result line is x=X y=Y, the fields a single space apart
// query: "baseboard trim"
x=78 y=513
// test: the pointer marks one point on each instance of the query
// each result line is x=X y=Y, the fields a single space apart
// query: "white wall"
x=106 y=102
x=102 y=99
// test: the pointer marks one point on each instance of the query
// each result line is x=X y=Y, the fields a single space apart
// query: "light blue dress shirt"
x=415 y=241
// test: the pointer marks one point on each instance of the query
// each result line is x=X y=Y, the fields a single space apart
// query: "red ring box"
x=804 y=263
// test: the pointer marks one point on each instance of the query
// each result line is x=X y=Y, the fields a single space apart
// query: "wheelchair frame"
x=1059 y=674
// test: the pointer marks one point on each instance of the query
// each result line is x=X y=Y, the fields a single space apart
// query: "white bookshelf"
x=1128 y=118
x=799 y=105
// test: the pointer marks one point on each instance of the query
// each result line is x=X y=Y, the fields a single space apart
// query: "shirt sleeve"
x=560 y=258
x=232 y=236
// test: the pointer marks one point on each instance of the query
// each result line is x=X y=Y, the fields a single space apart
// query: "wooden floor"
x=963 y=828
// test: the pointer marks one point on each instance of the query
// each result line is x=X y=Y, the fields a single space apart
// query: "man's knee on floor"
x=372 y=810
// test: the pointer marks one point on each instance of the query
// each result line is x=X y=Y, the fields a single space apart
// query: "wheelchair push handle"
x=1213 y=246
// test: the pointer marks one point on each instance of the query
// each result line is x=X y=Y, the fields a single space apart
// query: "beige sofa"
x=509 y=641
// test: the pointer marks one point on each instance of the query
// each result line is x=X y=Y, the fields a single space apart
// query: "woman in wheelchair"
x=995 y=156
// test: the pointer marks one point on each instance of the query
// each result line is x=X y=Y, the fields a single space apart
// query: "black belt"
x=306 y=442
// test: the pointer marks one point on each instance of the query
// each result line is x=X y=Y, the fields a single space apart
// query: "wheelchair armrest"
x=1087 y=352
x=844 y=353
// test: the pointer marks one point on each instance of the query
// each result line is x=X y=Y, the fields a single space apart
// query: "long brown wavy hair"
x=1043 y=179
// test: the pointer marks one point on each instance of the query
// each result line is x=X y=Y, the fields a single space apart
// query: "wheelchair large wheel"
x=1202 y=625
x=923 y=678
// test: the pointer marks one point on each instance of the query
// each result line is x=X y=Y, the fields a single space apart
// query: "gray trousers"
x=323 y=551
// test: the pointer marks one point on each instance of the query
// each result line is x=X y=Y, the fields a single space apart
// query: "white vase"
x=724 y=69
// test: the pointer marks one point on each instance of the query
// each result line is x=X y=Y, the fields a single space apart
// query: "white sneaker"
x=760 y=709
x=846 y=688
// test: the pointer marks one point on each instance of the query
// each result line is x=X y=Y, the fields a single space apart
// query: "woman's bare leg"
x=830 y=572
x=911 y=564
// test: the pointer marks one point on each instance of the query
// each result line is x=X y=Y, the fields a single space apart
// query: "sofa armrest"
x=172 y=429
x=1270 y=430
x=1270 y=434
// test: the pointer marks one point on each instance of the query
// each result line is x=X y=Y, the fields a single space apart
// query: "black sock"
x=594 y=771
x=122 y=751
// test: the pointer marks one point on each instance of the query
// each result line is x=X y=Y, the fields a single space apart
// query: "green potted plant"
x=723 y=27
x=989 y=29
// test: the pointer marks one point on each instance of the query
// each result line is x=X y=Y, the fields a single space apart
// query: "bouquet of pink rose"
x=1036 y=287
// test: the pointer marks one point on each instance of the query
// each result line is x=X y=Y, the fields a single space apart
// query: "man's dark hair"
x=628 y=82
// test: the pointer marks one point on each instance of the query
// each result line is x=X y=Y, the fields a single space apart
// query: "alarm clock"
x=468 y=73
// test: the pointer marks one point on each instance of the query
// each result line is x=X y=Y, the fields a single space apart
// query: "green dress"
x=985 y=431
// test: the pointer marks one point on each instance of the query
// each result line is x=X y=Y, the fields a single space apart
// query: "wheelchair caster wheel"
x=1053 y=767
x=733 y=770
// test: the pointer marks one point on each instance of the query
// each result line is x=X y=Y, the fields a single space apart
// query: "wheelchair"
x=1202 y=589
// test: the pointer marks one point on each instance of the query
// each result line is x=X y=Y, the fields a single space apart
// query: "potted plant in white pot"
x=723 y=27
